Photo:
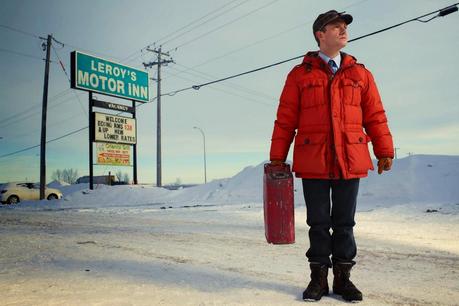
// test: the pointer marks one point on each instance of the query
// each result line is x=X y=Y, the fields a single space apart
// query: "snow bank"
x=420 y=179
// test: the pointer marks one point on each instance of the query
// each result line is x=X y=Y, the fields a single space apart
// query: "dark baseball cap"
x=330 y=16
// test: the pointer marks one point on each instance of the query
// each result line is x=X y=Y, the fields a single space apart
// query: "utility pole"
x=159 y=62
x=43 y=120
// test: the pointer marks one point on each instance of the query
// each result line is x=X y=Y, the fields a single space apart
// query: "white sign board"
x=116 y=129
x=113 y=154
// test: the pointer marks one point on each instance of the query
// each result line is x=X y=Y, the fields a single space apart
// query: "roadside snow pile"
x=423 y=179
x=57 y=184
x=420 y=179
x=66 y=188
x=80 y=197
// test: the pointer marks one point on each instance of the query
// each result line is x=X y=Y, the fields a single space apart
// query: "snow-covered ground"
x=141 y=245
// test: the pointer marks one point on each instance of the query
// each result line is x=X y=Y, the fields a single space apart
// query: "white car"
x=12 y=193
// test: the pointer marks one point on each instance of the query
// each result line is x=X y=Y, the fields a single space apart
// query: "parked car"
x=12 y=193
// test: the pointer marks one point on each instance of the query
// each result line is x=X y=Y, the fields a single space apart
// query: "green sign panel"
x=95 y=74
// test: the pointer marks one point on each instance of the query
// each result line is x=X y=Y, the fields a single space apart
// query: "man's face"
x=334 y=35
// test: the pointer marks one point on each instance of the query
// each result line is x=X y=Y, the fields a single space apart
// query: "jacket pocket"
x=358 y=156
x=312 y=93
x=309 y=154
x=351 y=91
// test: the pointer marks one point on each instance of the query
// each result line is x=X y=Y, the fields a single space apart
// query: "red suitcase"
x=278 y=204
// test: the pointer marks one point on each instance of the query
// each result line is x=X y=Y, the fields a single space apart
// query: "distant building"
x=97 y=179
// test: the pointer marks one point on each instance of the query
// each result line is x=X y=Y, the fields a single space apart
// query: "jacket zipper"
x=333 y=151
x=335 y=157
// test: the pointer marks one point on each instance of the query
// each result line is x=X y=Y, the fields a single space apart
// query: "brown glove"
x=384 y=164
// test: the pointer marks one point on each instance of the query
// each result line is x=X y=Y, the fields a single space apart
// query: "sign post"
x=91 y=139
x=134 y=153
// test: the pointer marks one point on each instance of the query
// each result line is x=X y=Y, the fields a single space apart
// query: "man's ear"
x=318 y=35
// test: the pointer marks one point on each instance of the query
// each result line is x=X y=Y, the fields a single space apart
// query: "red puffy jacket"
x=329 y=113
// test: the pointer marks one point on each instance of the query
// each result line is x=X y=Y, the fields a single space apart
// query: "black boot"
x=318 y=286
x=342 y=285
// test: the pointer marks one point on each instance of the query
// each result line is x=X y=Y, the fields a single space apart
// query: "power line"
x=55 y=97
x=93 y=52
x=178 y=30
x=49 y=125
x=68 y=78
x=128 y=58
x=441 y=13
x=17 y=117
x=42 y=38
x=231 y=85
x=232 y=93
x=23 y=54
x=223 y=25
x=226 y=54
x=20 y=31
x=49 y=141
x=68 y=134
x=202 y=23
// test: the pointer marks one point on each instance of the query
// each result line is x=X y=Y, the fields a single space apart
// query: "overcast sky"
x=415 y=67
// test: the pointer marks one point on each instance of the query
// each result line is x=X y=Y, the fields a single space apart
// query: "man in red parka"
x=331 y=108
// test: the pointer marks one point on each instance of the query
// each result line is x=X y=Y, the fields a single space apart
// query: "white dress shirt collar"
x=336 y=59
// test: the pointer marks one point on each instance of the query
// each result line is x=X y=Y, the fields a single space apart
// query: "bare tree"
x=69 y=175
x=126 y=178
x=119 y=176
x=57 y=175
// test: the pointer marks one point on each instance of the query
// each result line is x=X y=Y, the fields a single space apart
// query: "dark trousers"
x=340 y=244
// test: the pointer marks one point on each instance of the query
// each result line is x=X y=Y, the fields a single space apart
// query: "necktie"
x=333 y=65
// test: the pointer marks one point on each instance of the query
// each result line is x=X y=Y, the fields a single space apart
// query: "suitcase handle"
x=280 y=175
x=278 y=172
x=268 y=167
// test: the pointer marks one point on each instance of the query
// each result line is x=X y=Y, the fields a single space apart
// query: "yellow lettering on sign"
x=144 y=92
x=83 y=78
x=94 y=80
x=108 y=69
x=123 y=72
x=116 y=71
x=103 y=79
x=112 y=84
x=120 y=87
x=100 y=67
x=135 y=90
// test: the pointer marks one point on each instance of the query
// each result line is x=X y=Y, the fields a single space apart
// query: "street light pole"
x=395 y=149
x=205 y=166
